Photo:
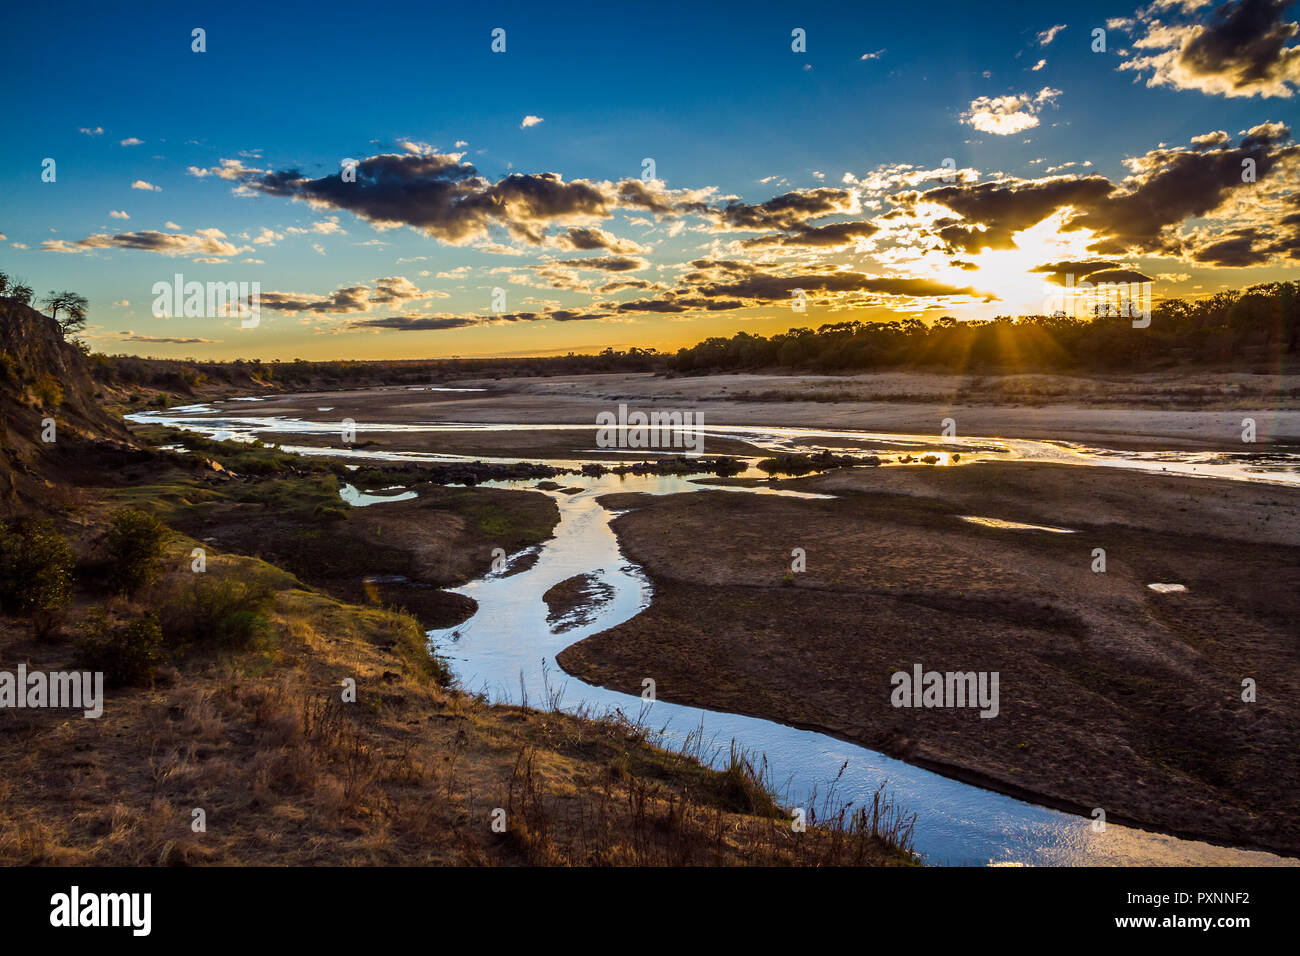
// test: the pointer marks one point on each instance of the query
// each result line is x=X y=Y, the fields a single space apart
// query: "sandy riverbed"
x=1197 y=411
x=1112 y=695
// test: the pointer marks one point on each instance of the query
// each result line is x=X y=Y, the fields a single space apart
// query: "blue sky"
x=714 y=94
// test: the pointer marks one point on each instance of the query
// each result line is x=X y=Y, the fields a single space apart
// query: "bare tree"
x=73 y=307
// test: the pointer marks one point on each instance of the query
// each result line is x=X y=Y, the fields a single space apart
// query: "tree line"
x=1229 y=327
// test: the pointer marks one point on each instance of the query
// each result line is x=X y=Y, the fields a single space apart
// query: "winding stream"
x=507 y=648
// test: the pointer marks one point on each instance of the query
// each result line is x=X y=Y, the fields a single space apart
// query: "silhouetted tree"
x=73 y=307
x=11 y=287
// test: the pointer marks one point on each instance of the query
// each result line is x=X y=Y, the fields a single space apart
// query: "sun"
x=1008 y=273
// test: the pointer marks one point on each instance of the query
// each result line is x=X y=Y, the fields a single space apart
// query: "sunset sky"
x=525 y=170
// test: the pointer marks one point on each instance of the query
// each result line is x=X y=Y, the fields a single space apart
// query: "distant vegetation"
x=1260 y=325
x=1262 y=321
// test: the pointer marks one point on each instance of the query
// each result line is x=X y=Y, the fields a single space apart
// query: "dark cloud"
x=412 y=323
x=589 y=239
x=390 y=290
x=785 y=212
x=1006 y=207
x=771 y=287
x=1243 y=49
x=832 y=234
x=607 y=263
x=443 y=196
x=450 y=200
x=1117 y=276
x=1171 y=186
x=1237 y=248
x=1140 y=215
x=674 y=303
x=210 y=243
x=619 y=285
x=417 y=322
x=1057 y=272
x=165 y=340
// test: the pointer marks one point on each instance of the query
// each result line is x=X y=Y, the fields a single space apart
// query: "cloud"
x=620 y=285
x=163 y=339
x=1048 y=35
x=148 y=187
x=531 y=120
x=1146 y=213
x=771 y=287
x=1245 y=49
x=608 y=263
x=835 y=234
x=1080 y=270
x=118 y=214
x=326 y=227
x=131 y=141
x=205 y=242
x=787 y=211
x=589 y=238
x=1038 y=66
x=388 y=291
x=446 y=198
x=872 y=56
x=230 y=169
x=96 y=131
x=412 y=323
x=1006 y=115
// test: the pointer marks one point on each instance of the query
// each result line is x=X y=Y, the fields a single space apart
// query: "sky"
x=634 y=174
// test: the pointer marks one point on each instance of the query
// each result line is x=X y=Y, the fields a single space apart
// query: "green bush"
x=135 y=545
x=126 y=654
x=35 y=572
x=218 y=614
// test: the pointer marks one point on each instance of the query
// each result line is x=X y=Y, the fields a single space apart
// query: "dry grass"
x=286 y=772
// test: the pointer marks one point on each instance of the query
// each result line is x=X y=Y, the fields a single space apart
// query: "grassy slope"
x=286 y=772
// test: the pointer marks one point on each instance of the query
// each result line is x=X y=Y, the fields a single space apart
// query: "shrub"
x=35 y=572
x=135 y=545
x=218 y=614
x=48 y=391
x=126 y=654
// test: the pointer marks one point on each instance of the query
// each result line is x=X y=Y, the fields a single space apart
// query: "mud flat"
x=403 y=555
x=1112 y=695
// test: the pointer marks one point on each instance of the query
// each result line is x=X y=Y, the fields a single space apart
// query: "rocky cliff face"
x=49 y=417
